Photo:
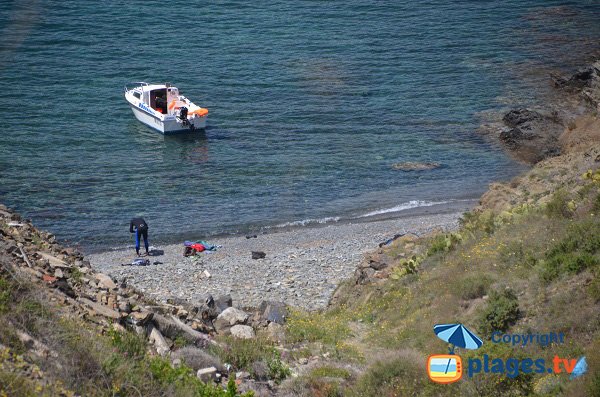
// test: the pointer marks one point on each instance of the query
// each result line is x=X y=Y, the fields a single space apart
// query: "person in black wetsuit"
x=140 y=228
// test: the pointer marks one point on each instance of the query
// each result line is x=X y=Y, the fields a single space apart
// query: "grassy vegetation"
x=529 y=269
x=86 y=361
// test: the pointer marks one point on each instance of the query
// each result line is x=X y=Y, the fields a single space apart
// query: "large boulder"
x=222 y=303
x=242 y=332
x=228 y=318
x=273 y=312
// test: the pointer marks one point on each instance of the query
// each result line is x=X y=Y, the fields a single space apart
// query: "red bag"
x=197 y=247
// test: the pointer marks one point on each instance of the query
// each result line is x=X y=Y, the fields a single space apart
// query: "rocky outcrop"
x=585 y=82
x=531 y=135
x=69 y=281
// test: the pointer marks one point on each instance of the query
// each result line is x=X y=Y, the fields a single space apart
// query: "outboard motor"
x=183 y=112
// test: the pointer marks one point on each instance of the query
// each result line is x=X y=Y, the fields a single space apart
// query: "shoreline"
x=424 y=207
x=303 y=265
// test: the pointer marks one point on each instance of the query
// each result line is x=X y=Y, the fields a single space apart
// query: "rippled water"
x=310 y=105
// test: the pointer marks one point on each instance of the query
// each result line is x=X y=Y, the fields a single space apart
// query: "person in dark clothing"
x=140 y=228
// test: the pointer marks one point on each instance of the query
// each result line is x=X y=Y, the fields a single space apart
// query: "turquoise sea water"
x=311 y=102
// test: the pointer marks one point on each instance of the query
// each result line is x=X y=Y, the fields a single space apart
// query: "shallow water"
x=310 y=105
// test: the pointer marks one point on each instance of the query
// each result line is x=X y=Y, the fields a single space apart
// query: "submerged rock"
x=415 y=166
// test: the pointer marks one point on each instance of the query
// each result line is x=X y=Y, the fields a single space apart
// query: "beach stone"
x=53 y=261
x=228 y=318
x=273 y=311
x=415 y=166
x=207 y=374
x=242 y=332
x=105 y=282
x=258 y=255
x=100 y=309
x=141 y=318
x=223 y=302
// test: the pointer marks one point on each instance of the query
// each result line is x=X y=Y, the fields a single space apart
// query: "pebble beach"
x=302 y=266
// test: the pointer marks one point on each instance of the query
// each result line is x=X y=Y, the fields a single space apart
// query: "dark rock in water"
x=258 y=255
x=223 y=302
x=252 y=236
x=532 y=136
x=518 y=117
x=275 y=312
x=414 y=166
x=577 y=81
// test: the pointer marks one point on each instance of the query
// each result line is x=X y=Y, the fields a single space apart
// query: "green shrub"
x=478 y=221
x=444 y=243
x=594 y=288
x=5 y=295
x=501 y=312
x=241 y=353
x=330 y=372
x=128 y=343
x=278 y=370
x=327 y=327
x=398 y=377
x=184 y=379
x=596 y=205
x=559 y=205
x=474 y=286
x=576 y=252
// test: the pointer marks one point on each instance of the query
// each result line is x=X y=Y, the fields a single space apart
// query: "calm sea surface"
x=311 y=102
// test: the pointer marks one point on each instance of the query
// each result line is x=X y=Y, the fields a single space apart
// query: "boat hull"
x=169 y=124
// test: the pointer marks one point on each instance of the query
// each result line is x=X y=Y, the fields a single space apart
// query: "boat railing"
x=135 y=84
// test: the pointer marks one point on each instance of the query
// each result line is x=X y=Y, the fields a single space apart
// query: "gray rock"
x=228 y=318
x=273 y=311
x=100 y=309
x=105 y=282
x=242 y=332
x=53 y=260
x=223 y=302
x=207 y=374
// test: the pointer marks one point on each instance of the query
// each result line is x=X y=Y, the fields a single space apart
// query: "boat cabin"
x=157 y=96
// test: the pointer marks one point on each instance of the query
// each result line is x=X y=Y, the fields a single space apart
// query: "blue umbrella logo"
x=458 y=335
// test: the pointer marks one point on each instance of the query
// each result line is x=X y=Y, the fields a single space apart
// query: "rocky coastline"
x=183 y=307
x=532 y=134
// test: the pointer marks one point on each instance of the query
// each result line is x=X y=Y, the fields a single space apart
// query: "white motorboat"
x=161 y=107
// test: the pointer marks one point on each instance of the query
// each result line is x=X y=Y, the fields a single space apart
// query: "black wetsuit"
x=141 y=230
